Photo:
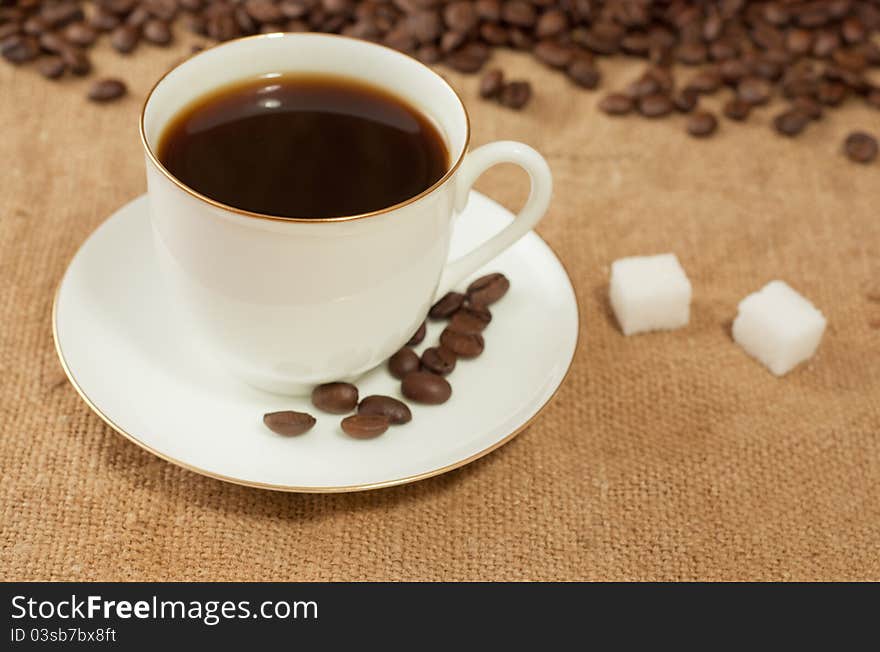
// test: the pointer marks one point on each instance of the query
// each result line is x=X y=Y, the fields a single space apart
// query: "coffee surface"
x=303 y=147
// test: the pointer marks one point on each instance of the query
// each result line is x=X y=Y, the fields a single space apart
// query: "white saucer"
x=140 y=373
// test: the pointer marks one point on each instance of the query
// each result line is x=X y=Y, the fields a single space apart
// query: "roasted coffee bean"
x=403 y=362
x=636 y=43
x=553 y=54
x=753 y=90
x=643 y=86
x=365 y=426
x=490 y=85
x=723 y=50
x=518 y=12
x=263 y=11
x=418 y=336
x=734 y=70
x=471 y=319
x=20 y=49
x=686 y=100
x=799 y=41
x=34 y=26
x=425 y=26
x=125 y=38
x=336 y=398
x=737 y=109
x=583 y=72
x=438 y=360
x=425 y=387
x=860 y=147
x=824 y=43
x=138 y=17
x=520 y=39
x=467 y=59
x=494 y=34
x=464 y=345
x=706 y=82
x=702 y=124
x=52 y=42
x=9 y=29
x=107 y=90
x=767 y=69
x=448 y=304
x=791 y=122
x=832 y=93
x=80 y=34
x=693 y=53
x=76 y=61
x=289 y=423
x=451 y=41
x=461 y=16
x=515 y=94
x=655 y=106
x=551 y=23
x=853 y=30
x=61 y=14
x=808 y=106
x=157 y=32
x=51 y=67
x=487 y=289
x=488 y=10
x=395 y=411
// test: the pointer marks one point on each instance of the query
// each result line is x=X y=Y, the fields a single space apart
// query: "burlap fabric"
x=666 y=456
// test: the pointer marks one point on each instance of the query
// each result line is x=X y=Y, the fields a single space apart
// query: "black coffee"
x=304 y=146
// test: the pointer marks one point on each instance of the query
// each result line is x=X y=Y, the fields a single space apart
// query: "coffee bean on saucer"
x=487 y=289
x=425 y=387
x=471 y=319
x=464 y=345
x=289 y=423
x=365 y=426
x=438 y=360
x=860 y=147
x=702 y=124
x=492 y=81
x=418 y=336
x=403 y=362
x=336 y=398
x=616 y=104
x=395 y=411
x=447 y=305
x=107 y=90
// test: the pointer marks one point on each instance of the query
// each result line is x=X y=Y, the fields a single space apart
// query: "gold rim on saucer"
x=292 y=488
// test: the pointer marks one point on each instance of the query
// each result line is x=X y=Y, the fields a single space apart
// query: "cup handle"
x=474 y=164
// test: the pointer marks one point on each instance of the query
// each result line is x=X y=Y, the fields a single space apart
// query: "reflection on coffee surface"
x=304 y=146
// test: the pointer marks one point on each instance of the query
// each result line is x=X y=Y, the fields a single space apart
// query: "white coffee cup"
x=286 y=304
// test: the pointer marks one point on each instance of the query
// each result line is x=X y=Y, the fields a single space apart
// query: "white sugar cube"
x=779 y=327
x=650 y=293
